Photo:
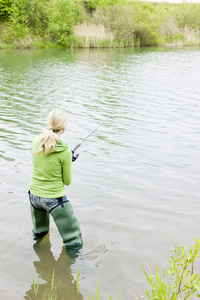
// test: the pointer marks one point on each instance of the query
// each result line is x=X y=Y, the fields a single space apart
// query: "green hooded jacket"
x=50 y=172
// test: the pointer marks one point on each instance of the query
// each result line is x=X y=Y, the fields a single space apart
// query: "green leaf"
x=77 y=281
x=134 y=295
x=52 y=281
x=197 y=286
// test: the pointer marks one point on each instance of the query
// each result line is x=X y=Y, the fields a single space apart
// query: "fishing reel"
x=74 y=156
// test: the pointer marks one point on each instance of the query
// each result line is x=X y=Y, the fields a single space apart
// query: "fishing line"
x=79 y=144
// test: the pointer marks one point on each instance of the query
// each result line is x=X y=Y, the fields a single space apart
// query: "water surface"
x=136 y=183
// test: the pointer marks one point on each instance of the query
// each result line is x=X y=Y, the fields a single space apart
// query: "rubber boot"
x=68 y=226
x=40 y=220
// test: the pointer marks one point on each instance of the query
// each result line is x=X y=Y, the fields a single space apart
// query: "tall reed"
x=93 y=36
x=191 y=36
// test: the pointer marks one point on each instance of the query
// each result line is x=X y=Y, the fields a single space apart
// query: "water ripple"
x=139 y=173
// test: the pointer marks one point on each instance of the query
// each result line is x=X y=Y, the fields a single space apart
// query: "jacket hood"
x=61 y=146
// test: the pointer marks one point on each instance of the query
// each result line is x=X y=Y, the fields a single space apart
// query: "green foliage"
x=63 y=15
x=30 y=14
x=187 y=15
x=132 y=22
x=91 y=5
x=18 y=13
x=12 y=34
x=17 y=27
x=5 y=7
x=105 y=3
x=119 y=19
x=50 y=23
x=53 y=20
x=148 y=25
x=184 y=283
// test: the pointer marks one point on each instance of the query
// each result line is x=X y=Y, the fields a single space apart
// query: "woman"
x=52 y=160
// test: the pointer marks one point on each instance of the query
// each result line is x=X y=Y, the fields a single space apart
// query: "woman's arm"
x=67 y=166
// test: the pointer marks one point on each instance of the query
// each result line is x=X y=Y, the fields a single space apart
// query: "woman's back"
x=50 y=172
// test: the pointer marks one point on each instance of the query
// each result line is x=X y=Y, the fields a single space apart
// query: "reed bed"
x=93 y=36
x=191 y=36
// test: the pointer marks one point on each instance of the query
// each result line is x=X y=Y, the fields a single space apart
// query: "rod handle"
x=76 y=147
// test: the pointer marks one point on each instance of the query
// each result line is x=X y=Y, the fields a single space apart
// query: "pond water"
x=136 y=182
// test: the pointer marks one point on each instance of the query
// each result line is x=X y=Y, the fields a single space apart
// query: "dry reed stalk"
x=93 y=35
x=191 y=36
x=170 y=27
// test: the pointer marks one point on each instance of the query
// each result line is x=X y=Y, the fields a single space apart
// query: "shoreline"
x=99 y=24
x=13 y=47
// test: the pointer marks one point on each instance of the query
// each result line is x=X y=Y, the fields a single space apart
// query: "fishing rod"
x=79 y=144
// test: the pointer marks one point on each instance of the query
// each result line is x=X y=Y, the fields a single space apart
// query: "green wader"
x=40 y=220
x=67 y=225
x=65 y=221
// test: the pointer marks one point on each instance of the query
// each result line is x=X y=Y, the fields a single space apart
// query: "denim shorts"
x=46 y=204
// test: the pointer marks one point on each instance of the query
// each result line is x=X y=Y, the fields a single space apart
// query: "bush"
x=13 y=34
x=184 y=282
x=187 y=14
x=31 y=14
x=119 y=19
x=63 y=15
x=5 y=7
x=129 y=22
x=91 y=5
x=53 y=20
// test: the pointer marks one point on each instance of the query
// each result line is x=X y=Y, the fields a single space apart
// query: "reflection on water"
x=54 y=274
x=136 y=181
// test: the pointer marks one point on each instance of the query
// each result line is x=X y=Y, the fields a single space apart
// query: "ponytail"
x=48 y=142
x=57 y=120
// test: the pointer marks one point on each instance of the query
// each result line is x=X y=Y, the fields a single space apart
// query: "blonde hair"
x=57 y=120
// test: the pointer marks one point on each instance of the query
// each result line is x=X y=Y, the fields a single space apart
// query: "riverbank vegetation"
x=179 y=282
x=97 y=23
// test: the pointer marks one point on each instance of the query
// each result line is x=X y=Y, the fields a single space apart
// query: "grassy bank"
x=97 y=23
